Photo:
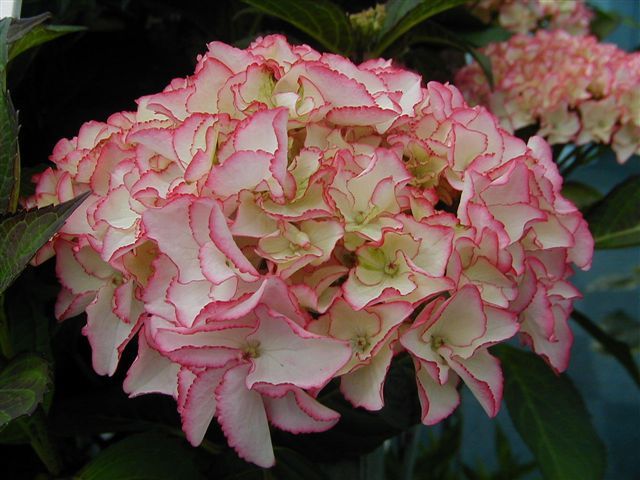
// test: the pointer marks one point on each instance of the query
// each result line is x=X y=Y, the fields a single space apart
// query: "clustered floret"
x=524 y=16
x=574 y=88
x=283 y=217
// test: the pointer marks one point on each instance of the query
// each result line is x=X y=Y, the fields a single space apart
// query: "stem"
x=5 y=339
x=582 y=157
x=615 y=347
x=568 y=156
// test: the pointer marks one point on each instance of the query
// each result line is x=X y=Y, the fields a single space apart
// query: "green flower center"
x=251 y=350
x=361 y=343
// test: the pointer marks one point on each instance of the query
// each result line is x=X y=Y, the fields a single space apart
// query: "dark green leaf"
x=22 y=234
x=401 y=406
x=28 y=313
x=604 y=22
x=321 y=19
x=583 y=196
x=510 y=467
x=615 y=220
x=615 y=347
x=482 y=38
x=420 y=12
x=14 y=434
x=551 y=417
x=503 y=450
x=23 y=383
x=9 y=155
x=151 y=456
x=38 y=35
x=395 y=11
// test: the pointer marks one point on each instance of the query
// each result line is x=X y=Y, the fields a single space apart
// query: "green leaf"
x=38 y=35
x=5 y=25
x=583 y=196
x=618 y=349
x=22 y=234
x=509 y=465
x=603 y=22
x=421 y=11
x=151 y=456
x=9 y=155
x=551 y=417
x=23 y=383
x=21 y=26
x=395 y=11
x=616 y=281
x=19 y=35
x=321 y=19
x=615 y=220
x=503 y=450
x=482 y=38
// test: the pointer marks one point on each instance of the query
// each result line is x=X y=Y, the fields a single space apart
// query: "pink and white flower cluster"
x=524 y=16
x=283 y=217
x=575 y=88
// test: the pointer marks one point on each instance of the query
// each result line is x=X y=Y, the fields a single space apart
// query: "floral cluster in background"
x=523 y=16
x=574 y=88
x=284 y=217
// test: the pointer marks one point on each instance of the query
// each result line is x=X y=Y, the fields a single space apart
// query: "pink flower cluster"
x=282 y=218
x=524 y=16
x=574 y=88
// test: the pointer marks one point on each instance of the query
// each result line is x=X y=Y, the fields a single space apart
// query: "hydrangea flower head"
x=283 y=218
x=574 y=88
x=524 y=16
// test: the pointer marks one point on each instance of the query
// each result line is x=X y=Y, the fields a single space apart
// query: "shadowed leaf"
x=437 y=35
x=9 y=156
x=23 y=383
x=321 y=19
x=414 y=14
x=615 y=220
x=551 y=417
x=583 y=196
x=39 y=35
x=22 y=234
x=143 y=456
